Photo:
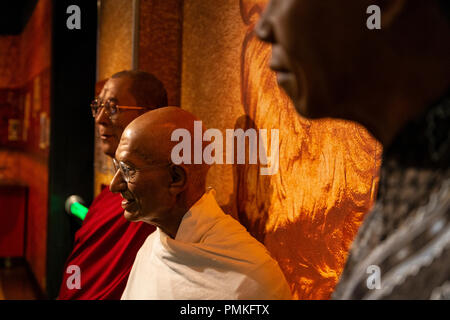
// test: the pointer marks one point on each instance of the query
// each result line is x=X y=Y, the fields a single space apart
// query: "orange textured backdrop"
x=308 y=214
x=158 y=51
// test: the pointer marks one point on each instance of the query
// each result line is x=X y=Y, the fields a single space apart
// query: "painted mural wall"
x=25 y=75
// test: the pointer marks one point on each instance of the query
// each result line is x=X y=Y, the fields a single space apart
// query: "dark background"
x=72 y=129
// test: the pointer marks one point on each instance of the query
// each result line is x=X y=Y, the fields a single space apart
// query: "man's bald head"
x=148 y=91
x=151 y=133
x=132 y=88
x=154 y=188
x=151 y=136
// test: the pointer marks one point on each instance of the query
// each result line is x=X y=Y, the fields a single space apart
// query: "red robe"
x=105 y=248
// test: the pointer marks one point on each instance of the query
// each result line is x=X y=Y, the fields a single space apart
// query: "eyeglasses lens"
x=124 y=170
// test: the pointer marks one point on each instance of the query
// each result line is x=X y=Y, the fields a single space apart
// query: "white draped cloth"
x=212 y=257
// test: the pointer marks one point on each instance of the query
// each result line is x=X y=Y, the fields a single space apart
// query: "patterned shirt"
x=402 y=250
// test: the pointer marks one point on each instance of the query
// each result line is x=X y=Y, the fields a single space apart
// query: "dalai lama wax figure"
x=106 y=244
x=197 y=251
x=394 y=80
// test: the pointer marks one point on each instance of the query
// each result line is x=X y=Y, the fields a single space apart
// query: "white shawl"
x=211 y=257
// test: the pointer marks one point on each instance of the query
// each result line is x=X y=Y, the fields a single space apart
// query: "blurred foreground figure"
x=197 y=251
x=106 y=244
x=396 y=82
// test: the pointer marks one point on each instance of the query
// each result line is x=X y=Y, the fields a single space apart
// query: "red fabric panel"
x=104 y=250
x=12 y=220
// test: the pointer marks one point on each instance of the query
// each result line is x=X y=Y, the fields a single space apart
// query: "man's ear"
x=390 y=10
x=178 y=179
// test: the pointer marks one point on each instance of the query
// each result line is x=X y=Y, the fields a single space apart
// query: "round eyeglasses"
x=128 y=172
x=111 y=108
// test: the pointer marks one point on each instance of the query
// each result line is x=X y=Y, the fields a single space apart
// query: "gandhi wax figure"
x=106 y=244
x=197 y=252
x=395 y=81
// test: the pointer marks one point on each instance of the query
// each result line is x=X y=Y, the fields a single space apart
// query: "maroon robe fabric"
x=105 y=248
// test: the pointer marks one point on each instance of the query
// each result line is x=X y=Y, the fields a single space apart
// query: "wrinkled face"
x=317 y=51
x=118 y=90
x=146 y=195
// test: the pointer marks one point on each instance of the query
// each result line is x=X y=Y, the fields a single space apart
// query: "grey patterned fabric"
x=406 y=236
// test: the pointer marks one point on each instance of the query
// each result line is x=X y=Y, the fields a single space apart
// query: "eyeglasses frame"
x=118 y=165
x=119 y=107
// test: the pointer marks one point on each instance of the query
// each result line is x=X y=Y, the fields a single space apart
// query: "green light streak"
x=78 y=210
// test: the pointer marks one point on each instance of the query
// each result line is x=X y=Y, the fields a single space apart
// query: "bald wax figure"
x=197 y=251
x=396 y=82
x=106 y=244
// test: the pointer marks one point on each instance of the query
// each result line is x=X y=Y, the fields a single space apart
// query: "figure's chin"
x=302 y=101
x=131 y=216
x=108 y=150
x=293 y=85
x=287 y=81
x=302 y=109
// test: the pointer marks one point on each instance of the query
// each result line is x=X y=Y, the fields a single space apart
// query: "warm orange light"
x=308 y=214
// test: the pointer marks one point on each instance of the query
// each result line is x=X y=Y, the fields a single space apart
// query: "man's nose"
x=118 y=184
x=102 y=117
x=264 y=29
